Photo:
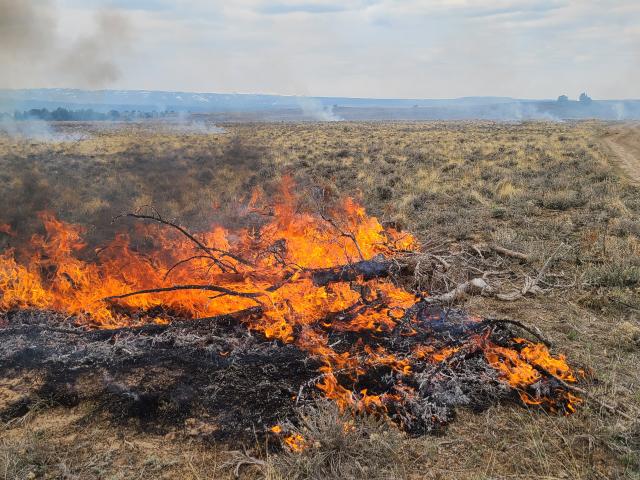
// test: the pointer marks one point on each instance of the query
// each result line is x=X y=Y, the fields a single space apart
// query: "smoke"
x=38 y=131
x=619 y=110
x=186 y=123
x=505 y=112
x=195 y=127
x=529 y=111
x=311 y=107
x=33 y=53
x=24 y=28
x=91 y=59
x=25 y=32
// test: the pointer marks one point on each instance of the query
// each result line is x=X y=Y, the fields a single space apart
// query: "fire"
x=525 y=367
x=270 y=268
x=295 y=442
x=430 y=352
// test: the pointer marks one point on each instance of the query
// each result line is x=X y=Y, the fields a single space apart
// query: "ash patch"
x=157 y=376
x=218 y=379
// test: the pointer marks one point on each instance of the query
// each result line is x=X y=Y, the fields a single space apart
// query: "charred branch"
x=365 y=269
x=190 y=324
x=533 y=330
x=211 y=288
x=187 y=260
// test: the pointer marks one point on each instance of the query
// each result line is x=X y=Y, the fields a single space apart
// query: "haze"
x=356 y=48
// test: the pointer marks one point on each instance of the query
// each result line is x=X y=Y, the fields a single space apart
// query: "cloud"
x=144 y=5
x=381 y=48
x=312 y=8
x=539 y=8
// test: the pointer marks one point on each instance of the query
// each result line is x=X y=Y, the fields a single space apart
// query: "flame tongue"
x=224 y=271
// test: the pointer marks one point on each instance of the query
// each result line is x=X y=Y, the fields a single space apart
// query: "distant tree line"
x=583 y=99
x=65 y=115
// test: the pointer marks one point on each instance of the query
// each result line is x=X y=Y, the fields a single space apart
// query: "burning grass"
x=317 y=280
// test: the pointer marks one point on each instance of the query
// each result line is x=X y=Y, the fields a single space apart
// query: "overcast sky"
x=364 y=48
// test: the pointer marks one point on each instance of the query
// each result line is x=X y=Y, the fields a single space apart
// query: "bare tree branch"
x=342 y=233
x=200 y=245
x=186 y=260
x=211 y=288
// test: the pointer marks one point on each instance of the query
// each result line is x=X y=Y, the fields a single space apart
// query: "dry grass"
x=335 y=446
x=57 y=445
x=526 y=187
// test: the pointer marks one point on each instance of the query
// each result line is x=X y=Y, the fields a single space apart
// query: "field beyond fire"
x=338 y=300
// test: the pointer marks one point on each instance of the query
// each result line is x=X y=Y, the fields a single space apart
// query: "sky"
x=355 y=48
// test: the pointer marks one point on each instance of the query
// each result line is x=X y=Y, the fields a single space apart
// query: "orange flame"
x=523 y=368
x=268 y=267
x=295 y=442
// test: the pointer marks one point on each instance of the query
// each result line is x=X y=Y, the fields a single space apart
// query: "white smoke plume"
x=38 y=131
x=311 y=107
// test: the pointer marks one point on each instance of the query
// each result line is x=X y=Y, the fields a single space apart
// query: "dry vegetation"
x=525 y=187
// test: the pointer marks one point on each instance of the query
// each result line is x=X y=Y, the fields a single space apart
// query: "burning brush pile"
x=229 y=330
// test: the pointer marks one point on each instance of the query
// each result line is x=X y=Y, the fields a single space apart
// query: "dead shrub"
x=615 y=274
x=625 y=227
x=339 y=446
x=562 y=200
x=627 y=336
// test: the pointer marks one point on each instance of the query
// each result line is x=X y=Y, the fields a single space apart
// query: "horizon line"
x=271 y=94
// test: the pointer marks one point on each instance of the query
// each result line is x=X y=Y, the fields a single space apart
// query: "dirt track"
x=624 y=142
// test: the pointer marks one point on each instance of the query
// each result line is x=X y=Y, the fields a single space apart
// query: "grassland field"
x=528 y=187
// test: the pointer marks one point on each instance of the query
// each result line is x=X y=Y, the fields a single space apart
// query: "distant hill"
x=317 y=108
